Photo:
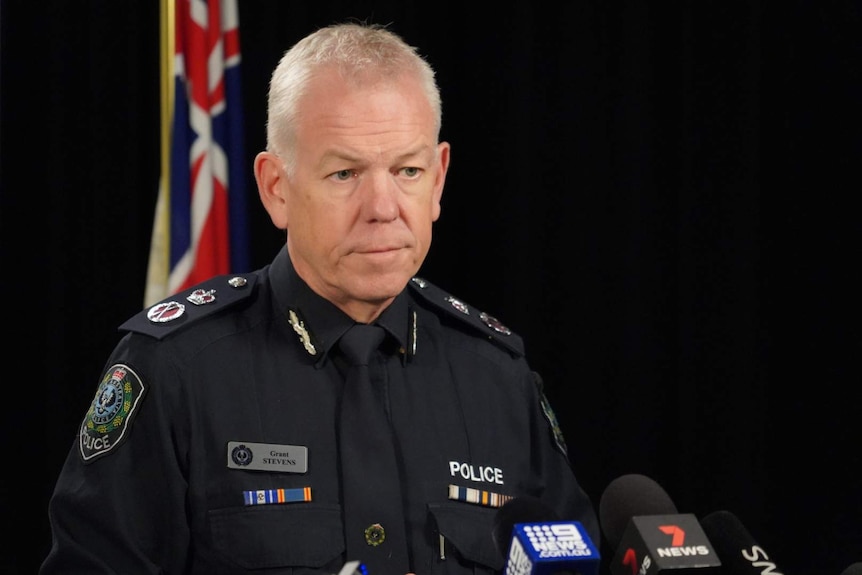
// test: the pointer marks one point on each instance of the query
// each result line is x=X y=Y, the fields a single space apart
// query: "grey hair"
x=356 y=49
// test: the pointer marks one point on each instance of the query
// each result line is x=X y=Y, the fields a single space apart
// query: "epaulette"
x=188 y=306
x=488 y=325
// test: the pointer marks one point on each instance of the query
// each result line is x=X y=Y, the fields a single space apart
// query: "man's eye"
x=411 y=172
x=342 y=175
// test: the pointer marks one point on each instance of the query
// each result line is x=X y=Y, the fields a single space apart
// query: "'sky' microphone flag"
x=200 y=227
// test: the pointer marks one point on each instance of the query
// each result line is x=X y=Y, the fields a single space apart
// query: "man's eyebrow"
x=331 y=156
x=419 y=150
x=348 y=156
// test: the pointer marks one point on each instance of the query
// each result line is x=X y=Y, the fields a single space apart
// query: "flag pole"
x=158 y=266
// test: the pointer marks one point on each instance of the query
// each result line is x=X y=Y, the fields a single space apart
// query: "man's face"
x=366 y=189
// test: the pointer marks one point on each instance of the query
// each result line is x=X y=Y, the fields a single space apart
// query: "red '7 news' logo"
x=677 y=540
x=677 y=534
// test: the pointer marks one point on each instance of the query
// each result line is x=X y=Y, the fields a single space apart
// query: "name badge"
x=267 y=457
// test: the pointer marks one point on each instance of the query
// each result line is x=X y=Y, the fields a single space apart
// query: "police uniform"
x=211 y=443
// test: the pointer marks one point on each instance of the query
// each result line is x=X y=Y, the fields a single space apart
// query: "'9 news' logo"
x=556 y=540
x=545 y=543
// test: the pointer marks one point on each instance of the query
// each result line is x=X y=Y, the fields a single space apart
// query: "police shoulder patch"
x=188 y=306
x=488 y=325
x=107 y=422
x=556 y=430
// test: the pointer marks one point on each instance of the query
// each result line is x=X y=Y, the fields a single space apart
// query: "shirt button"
x=375 y=534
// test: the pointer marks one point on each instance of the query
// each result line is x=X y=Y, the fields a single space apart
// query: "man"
x=218 y=441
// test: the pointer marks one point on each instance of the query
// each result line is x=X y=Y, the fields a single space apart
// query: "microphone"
x=739 y=552
x=853 y=569
x=525 y=509
x=641 y=522
x=353 y=568
x=534 y=541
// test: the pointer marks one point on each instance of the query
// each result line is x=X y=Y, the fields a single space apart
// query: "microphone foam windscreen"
x=854 y=569
x=726 y=531
x=628 y=496
x=524 y=509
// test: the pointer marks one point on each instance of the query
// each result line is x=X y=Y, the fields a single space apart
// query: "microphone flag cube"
x=550 y=547
x=665 y=544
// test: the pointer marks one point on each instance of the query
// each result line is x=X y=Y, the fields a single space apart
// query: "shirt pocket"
x=278 y=536
x=469 y=530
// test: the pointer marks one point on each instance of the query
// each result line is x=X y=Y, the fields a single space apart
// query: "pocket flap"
x=263 y=536
x=469 y=528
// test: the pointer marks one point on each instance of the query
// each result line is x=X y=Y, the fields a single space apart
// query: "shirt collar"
x=317 y=322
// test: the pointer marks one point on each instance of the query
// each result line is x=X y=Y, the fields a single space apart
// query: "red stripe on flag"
x=231 y=45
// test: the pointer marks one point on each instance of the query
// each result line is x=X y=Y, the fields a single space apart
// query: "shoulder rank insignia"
x=166 y=311
x=206 y=298
x=487 y=324
x=107 y=421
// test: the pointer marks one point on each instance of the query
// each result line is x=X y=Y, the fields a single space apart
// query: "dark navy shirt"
x=211 y=444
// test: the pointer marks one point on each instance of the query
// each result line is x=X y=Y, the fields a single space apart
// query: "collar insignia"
x=299 y=328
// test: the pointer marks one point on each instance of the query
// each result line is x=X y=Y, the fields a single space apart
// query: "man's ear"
x=272 y=186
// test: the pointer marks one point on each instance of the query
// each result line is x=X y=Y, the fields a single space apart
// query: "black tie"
x=374 y=519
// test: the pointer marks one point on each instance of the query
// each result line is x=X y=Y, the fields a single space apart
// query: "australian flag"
x=200 y=228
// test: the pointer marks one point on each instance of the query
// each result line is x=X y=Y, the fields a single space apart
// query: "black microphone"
x=534 y=541
x=739 y=552
x=641 y=522
x=853 y=569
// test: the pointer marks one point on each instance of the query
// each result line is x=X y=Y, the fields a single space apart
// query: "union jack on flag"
x=200 y=227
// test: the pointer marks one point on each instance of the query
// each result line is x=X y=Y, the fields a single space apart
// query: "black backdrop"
x=659 y=196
